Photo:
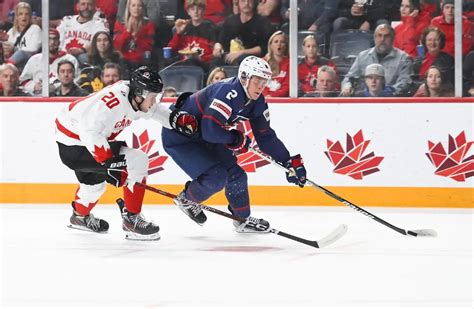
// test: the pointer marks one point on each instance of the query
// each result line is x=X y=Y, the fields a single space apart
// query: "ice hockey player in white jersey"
x=85 y=133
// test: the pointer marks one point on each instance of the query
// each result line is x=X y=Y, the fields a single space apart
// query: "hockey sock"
x=134 y=200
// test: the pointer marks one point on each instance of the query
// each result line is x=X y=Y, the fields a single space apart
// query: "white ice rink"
x=46 y=264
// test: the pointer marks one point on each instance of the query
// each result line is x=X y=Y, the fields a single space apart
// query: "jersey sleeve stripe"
x=222 y=108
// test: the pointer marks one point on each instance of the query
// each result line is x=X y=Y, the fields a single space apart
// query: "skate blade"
x=83 y=228
x=248 y=231
x=140 y=237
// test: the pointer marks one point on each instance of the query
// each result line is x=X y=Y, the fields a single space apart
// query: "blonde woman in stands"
x=435 y=85
x=277 y=58
x=217 y=74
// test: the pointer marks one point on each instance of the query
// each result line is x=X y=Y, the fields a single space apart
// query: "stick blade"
x=333 y=236
x=423 y=233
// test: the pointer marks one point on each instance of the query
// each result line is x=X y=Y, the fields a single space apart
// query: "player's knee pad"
x=88 y=194
x=237 y=175
x=214 y=179
x=137 y=164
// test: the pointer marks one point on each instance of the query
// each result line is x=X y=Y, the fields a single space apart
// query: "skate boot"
x=192 y=211
x=87 y=223
x=135 y=225
x=252 y=225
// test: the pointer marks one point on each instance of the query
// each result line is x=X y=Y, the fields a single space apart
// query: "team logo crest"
x=352 y=161
x=455 y=163
x=155 y=161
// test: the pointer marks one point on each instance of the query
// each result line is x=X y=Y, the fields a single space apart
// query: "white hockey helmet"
x=254 y=66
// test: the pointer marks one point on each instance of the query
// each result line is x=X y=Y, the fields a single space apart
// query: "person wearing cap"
x=397 y=64
x=375 y=83
x=445 y=22
x=31 y=77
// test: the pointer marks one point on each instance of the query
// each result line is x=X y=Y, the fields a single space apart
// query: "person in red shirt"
x=194 y=38
x=310 y=64
x=277 y=58
x=135 y=38
x=445 y=22
x=217 y=10
x=435 y=84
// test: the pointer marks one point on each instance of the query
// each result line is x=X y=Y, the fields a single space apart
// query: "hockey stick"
x=323 y=242
x=415 y=233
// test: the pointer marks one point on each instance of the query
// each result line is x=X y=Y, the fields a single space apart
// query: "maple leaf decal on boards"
x=155 y=161
x=352 y=162
x=249 y=161
x=102 y=153
x=455 y=164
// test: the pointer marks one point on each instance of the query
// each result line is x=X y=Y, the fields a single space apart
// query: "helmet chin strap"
x=247 y=81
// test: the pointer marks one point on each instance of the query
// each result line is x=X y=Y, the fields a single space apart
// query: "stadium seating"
x=183 y=77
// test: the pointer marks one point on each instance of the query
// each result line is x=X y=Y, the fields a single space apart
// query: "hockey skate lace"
x=139 y=221
x=252 y=221
x=93 y=222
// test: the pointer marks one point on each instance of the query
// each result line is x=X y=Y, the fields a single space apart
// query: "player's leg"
x=134 y=223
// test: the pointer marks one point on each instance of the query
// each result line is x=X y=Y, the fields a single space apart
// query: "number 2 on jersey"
x=231 y=94
x=110 y=100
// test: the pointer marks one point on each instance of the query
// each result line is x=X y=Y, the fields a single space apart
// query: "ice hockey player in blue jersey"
x=209 y=158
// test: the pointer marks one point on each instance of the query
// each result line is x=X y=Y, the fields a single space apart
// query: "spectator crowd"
x=363 y=48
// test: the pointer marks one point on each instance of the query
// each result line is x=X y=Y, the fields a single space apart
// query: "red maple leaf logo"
x=102 y=153
x=249 y=161
x=155 y=161
x=353 y=162
x=74 y=43
x=453 y=164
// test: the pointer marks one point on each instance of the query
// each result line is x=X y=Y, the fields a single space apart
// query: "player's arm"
x=180 y=121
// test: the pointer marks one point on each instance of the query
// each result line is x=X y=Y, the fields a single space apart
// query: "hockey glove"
x=297 y=174
x=241 y=144
x=116 y=170
x=183 y=122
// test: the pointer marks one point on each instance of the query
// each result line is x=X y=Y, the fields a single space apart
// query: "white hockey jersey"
x=72 y=33
x=33 y=71
x=95 y=120
x=31 y=40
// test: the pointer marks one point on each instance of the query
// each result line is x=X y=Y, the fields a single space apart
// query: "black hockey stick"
x=415 y=233
x=323 y=242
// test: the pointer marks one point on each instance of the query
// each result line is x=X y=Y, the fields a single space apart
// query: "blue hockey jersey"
x=220 y=106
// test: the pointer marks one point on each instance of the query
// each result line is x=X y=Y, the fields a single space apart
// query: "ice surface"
x=44 y=263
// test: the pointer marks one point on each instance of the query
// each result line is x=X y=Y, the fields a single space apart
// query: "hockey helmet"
x=144 y=80
x=254 y=66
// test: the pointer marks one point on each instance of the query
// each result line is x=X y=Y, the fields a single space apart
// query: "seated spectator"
x=408 y=32
x=111 y=74
x=309 y=66
x=9 y=85
x=31 y=76
x=326 y=82
x=68 y=87
x=433 y=41
x=396 y=63
x=360 y=14
x=24 y=38
x=90 y=79
x=6 y=8
x=375 y=83
x=242 y=34
x=170 y=92
x=445 y=22
x=271 y=10
x=76 y=31
x=102 y=50
x=194 y=38
x=435 y=85
x=108 y=9
x=135 y=38
x=57 y=10
x=151 y=9
x=217 y=10
x=217 y=74
x=313 y=15
x=468 y=74
x=277 y=58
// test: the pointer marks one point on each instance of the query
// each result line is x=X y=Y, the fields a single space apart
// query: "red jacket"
x=448 y=30
x=132 y=49
x=279 y=85
x=406 y=37
x=308 y=73
x=217 y=10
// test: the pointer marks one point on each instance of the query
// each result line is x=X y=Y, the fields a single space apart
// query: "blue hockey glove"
x=241 y=144
x=297 y=173
x=116 y=170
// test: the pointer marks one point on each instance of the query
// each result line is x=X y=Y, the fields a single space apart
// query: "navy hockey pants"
x=212 y=167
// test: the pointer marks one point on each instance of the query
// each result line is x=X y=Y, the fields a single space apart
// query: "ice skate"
x=87 y=223
x=135 y=225
x=252 y=225
x=192 y=211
